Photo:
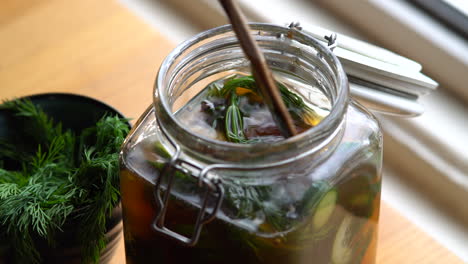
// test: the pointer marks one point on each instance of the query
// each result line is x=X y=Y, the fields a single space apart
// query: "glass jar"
x=314 y=197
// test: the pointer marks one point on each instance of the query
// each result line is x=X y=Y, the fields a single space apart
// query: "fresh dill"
x=295 y=104
x=51 y=179
x=226 y=106
x=234 y=124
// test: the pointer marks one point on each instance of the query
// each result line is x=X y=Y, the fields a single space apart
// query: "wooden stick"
x=260 y=70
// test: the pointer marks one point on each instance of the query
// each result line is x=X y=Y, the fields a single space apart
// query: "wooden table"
x=99 y=49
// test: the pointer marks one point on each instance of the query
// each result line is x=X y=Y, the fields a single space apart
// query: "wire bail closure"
x=331 y=39
x=213 y=185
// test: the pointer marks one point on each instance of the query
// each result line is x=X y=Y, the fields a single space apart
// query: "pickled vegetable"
x=298 y=220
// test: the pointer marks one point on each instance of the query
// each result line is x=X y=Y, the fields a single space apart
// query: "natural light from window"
x=460 y=5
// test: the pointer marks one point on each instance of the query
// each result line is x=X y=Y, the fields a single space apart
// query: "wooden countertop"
x=100 y=49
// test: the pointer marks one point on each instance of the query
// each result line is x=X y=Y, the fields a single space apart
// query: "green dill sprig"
x=214 y=90
x=99 y=170
x=59 y=178
x=295 y=104
x=233 y=126
x=247 y=82
x=234 y=123
x=41 y=128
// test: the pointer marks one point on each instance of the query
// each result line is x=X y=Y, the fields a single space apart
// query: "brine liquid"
x=349 y=234
x=333 y=222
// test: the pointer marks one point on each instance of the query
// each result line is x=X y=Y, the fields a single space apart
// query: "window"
x=452 y=13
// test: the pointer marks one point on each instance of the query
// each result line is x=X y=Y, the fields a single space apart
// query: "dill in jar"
x=231 y=109
x=298 y=217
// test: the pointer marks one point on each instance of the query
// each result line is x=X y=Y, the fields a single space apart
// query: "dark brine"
x=314 y=218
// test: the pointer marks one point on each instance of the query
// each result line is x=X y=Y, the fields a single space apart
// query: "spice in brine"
x=231 y=109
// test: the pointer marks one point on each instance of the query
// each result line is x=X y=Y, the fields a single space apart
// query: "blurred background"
x=425 y=158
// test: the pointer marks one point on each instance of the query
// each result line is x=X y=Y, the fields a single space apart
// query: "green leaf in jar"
x=295 y=104
x=234 y=122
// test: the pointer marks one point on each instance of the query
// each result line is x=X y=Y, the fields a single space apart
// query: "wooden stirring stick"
x=260 y=70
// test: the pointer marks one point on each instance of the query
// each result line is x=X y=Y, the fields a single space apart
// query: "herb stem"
x=260 y=70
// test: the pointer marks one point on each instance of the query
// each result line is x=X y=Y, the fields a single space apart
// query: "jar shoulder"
x=360 y=146
x=362 y=126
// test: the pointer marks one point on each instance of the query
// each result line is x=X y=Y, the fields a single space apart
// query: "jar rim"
x=331 y=122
